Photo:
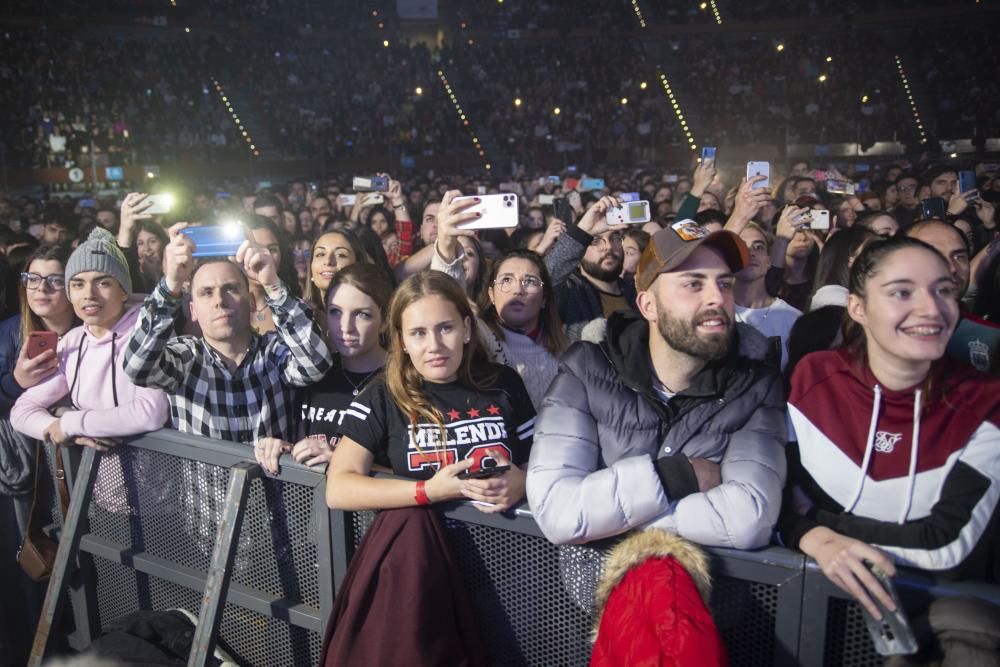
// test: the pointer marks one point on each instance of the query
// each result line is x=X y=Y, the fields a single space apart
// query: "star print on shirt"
x=493 y=410
x=454 y=414
x=473 y=413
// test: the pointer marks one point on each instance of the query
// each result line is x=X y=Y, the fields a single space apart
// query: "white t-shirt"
x=775 y=320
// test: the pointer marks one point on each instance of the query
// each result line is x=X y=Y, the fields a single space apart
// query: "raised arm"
x=153 y=359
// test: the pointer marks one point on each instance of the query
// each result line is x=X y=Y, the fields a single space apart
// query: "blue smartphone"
x=589 y=184
x=707 y=153
x=966 y=181
x=216 y=240
x=88 y=203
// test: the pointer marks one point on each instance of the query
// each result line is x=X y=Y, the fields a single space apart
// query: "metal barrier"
x=169 y=545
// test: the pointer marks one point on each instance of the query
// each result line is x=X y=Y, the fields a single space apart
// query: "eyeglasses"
x=530 y=284
x=55 y=281
x=612 y=241
x=906 y=188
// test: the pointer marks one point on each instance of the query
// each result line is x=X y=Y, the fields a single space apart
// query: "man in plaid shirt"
x=231 y=384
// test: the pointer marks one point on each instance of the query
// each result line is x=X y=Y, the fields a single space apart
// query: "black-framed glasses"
x=55 y=281
x=530 y=284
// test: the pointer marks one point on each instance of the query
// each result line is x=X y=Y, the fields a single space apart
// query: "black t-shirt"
x=322 y=404
x=475 y=420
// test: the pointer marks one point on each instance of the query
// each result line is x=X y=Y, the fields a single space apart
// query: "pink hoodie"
x=92 y=369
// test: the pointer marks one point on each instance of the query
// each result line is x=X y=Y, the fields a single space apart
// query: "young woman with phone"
x=440 y=412
x=357 y=306
x=519 y=322
x=44 y=309
x=920 y=477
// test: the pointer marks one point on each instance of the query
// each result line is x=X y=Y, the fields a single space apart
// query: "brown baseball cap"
x=671 y=246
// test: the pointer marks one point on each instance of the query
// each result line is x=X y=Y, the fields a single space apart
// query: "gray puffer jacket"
x=609 y=455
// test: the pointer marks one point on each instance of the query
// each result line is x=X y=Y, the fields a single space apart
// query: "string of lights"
x=677 y=110
x=913 y=102
x=638 y=13
x=463 y=117
x=715 y=10
x=236 y=119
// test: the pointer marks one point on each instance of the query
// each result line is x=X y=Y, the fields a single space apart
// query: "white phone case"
x=499 y=212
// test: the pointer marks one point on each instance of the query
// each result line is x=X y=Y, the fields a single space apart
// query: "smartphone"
x=480 y=189
x=933 y=207
x=162 y=203
x=759 y=169
x=499 y=212
x=708 y=154
x=838 y=187
x=590 y=184
x=483 y=473
x=554 y=180
x=629 y=213
x=371 y=183
x=966 y=182
x=862 y=168
x=40 y=341
x=546 y=200
x=670 y=178
x=892 y=635
x=87 y=203
x=563 y=211
x=216 y=240
x=347 y=200
x=819 y=219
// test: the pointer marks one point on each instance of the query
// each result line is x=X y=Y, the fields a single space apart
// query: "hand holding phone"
x=161 y=204
x=371 y=183
x=759 y=169
x=494 y=211
x=37 y=359
x=891 y=634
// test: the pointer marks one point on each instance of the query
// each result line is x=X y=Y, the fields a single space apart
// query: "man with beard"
x=593 y=289
x=673 y=421
x=231 y=384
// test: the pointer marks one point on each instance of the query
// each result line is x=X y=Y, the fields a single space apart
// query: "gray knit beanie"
x=100 y=252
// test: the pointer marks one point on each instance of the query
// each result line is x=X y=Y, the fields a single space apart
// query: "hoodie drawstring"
x=869 y=447
x=114 y=369
x=76 y=371
x=911 y=476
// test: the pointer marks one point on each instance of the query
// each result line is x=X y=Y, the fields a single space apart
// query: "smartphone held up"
x=497 y=211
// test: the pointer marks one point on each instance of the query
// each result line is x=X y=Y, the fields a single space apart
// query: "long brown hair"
x=404 y=383
x=311 y=293
x=552 y=337
x=46 y=253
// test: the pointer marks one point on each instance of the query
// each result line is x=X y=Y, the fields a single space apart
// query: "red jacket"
x=652 y=605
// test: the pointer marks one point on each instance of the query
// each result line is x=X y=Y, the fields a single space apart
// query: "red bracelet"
x=420 y=495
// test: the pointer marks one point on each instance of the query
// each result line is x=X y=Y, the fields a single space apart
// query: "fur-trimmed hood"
x=652 y=543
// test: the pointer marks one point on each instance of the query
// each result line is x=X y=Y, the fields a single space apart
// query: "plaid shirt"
x=206 y=398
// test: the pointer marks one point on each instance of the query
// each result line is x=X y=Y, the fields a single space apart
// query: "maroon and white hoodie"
x=914 y=472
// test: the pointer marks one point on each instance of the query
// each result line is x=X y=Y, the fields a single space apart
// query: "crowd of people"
x=308 y=97
x=686 y=379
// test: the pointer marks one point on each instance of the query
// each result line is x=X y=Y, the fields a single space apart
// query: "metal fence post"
x=220 y=569
x=68 y=544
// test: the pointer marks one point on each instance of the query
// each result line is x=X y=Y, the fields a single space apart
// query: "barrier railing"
x=258 y=558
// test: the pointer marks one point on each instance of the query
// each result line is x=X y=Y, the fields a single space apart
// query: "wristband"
x=420 y=494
